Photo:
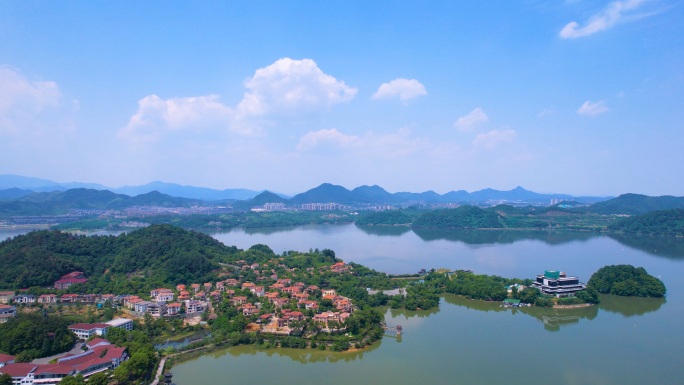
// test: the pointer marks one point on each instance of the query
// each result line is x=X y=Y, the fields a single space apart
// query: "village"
x=272 y=305
x=278 y=308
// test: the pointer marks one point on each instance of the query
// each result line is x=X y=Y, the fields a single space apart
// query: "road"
x=75 y=350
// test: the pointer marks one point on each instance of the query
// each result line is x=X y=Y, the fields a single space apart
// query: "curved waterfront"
x=622 y=340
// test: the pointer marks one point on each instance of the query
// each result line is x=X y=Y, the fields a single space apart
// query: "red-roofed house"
x=47 y=298
x=5 y=359
x=51 y=373
x=95 y=342
x=280 y=302
x=173 y=308
x=64 y=283
x=248 y=309
x=69 y=298
x=292 y=289
x=20 y=372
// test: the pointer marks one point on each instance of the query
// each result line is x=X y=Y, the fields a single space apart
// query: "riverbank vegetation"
x=662 y=222
x=626 y=280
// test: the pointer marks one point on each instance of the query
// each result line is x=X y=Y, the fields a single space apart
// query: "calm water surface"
x=621 y=341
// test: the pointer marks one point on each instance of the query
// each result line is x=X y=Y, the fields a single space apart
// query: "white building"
x=123 y=323
x=84 y=331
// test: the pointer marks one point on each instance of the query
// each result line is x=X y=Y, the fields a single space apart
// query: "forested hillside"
x=662 y=222
x=390 y=217
x=59 y=202
x=635 y=204
x=462 y=217
x=159 y=253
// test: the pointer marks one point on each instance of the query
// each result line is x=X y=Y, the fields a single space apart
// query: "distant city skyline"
x=570 y=97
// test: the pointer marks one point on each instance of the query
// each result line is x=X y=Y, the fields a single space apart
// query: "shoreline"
x=579 y=305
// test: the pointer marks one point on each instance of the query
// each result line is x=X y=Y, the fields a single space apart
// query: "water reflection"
x=479 y=237
x=553 y=319
x=392 y=231
x=630 y=306
x=183 y=341
x=669 y=247
x=302 y=356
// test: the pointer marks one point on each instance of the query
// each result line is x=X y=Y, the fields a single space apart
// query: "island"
x=626 y=280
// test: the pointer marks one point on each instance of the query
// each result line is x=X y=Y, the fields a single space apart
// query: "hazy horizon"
x=574 y=97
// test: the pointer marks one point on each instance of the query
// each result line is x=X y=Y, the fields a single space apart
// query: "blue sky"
x=581 y=97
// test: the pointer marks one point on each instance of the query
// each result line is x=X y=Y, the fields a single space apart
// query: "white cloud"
x=155 y=115
x=592 y=109
x=405 y=89
x=493 y=138
x=545 y=111
x=397 y=144
x=472 y=120
x=29 y=105
x=287 y=88
x=313 y=139
x=612 y=14
x=290 y=87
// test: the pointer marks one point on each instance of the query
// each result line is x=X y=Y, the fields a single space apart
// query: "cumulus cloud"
x=472 y=120
x=313 y=139
x=155 y=113
x=286 y=89
x=405 y=89
x=395 y=144
x=592 y=109
x=613 y=13
x=291 y=87
x=493 y=138
x=24 y=103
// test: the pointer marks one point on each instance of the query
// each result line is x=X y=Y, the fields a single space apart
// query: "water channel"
x=623 y=340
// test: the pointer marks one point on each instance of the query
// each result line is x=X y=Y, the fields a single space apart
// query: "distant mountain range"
x=16 y=186
x=59 y=202
x=375 y=194
x=175 y=190
x=16 y=201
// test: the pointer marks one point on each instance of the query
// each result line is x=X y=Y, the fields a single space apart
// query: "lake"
x=622 y=340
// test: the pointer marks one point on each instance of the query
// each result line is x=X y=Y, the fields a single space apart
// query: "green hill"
x=661 y=222
x=390 y=217
x=159 y=253
x=462 y=217
x=326 y=193
x=635 y=204
x=59 y=202
x=259 y=200
x=626 y=280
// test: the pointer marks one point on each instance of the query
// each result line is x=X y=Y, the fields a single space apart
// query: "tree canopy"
x=626 y=280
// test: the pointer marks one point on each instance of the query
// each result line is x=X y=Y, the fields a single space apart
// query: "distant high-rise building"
x=274 y=206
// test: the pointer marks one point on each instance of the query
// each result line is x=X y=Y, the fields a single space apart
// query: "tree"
x=73 y=380
x=101 y=378
x=528 y=295
x=5 y=379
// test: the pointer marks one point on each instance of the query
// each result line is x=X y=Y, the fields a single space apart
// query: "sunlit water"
x=621 y=341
